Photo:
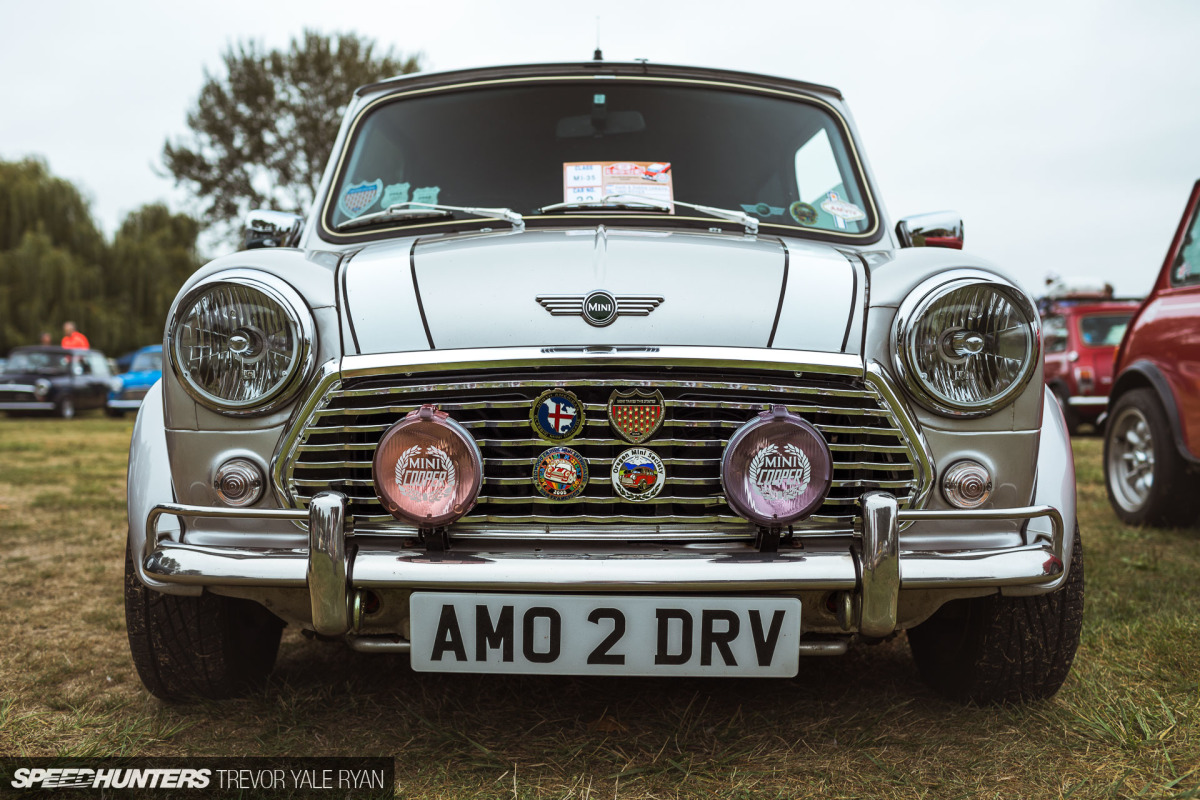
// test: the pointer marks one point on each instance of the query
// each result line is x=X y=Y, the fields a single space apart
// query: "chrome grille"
x=333 y=445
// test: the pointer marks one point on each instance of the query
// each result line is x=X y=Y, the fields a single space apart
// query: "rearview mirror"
x=939 y=229
x=266 y=228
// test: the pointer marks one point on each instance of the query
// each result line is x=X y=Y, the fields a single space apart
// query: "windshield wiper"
x=638 y=201
x=412 y=210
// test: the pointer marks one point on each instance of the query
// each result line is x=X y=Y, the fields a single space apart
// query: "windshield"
x=147 y=362
x=1103 y=330
x=37 y=361
x=783 y=161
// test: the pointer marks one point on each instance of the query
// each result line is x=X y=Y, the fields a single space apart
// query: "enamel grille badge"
x=557 y=415
x=635 y=415
x=638 y=474
x=560 y=473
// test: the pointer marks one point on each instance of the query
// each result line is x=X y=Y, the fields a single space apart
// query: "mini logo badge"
x=359 y=197
x=560 y=473
x=599 y=308
x=425 y=475
x=636 y=415
x=557 y=415
x=780 y=475
x=638 y=474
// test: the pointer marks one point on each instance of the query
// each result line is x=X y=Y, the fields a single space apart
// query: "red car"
x=1081 y=337
x=1152 y=441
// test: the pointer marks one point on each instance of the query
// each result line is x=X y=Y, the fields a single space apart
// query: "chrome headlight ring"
x=242 y=308
x=945 y=331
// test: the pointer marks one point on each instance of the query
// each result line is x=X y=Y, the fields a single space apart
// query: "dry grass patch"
x=1126 y=723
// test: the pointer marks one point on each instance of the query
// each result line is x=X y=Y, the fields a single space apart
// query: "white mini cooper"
x=603 y=368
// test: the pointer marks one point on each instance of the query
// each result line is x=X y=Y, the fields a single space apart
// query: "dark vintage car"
x=1152 y=442
x=1081 y=336
x=54 y=380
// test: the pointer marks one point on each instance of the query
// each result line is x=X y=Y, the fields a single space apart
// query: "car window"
x=99 y=365
x=1103 y=330
x=785 y=162
x=1186 y=269
x=1054 y=331
x=147 y=362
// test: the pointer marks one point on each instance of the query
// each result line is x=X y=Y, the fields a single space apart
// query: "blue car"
x=128 y=388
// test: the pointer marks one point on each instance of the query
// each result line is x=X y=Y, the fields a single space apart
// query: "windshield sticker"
x=359 y=197
x=841 y=210
x=762 y=209
x=394 y=194
x=427 y=195
x=803 y=213
x=592 y=182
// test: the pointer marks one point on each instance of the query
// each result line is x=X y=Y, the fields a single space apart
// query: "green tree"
x=51 y=255
x=151 y=256
x=55 y=264
x=262 y=132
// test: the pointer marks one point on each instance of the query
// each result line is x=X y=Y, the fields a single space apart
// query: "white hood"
x=482 y=290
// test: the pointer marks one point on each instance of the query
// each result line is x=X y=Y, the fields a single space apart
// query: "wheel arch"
x=1145 y=375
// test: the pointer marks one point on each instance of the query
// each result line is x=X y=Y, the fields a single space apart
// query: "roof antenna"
x=597 y=56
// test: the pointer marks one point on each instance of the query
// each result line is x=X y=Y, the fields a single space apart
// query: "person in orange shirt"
x=73 y=338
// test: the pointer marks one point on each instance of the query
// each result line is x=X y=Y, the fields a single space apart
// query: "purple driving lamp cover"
x=777 y=469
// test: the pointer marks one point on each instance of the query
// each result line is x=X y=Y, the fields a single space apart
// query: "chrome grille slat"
x=870 y=437
x=625 y=382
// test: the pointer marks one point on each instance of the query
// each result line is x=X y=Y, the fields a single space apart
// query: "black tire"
x=115 y=413
x=1072 y=419
x=65 y=408
x=1146 y=478
x=192 y=648
x=1000 y=649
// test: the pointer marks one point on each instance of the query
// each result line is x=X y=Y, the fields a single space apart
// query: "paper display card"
x=592 y=182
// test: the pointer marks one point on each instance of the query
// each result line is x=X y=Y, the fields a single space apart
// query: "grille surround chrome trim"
x=326 y=386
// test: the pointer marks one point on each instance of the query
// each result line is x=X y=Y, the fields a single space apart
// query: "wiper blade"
x=618 y=201
x=611 y=201
x=412 y=210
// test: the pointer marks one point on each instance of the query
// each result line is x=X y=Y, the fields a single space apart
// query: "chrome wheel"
x=1131 y=459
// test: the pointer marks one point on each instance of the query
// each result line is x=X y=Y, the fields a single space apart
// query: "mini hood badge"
x=599 y=308
x=636 y=415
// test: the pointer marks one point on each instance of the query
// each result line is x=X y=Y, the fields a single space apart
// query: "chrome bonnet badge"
x=599 y=308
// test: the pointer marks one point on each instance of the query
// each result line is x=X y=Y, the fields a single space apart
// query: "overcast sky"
x=1066 y=133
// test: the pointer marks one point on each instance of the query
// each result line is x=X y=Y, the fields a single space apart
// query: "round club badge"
x=560 y=473
x=638 y=474
x=803 y=213
x=557 y=415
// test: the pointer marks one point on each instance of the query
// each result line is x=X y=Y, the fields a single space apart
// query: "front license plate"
x=603 y=635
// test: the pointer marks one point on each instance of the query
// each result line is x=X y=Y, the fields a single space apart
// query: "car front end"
x=603 y=438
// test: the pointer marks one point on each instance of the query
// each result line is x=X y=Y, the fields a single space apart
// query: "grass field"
x=1127 y=723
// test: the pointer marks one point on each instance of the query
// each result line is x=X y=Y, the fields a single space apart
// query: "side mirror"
x=939 y=229
x=266 y=228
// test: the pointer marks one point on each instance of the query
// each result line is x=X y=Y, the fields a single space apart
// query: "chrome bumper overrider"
x=875 y=570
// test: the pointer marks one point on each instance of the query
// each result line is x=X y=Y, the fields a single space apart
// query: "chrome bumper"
x=31 y=406
x=876 y=570
x=131 y=405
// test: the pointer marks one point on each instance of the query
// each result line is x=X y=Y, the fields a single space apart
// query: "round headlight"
x=966 y=346
x=776 y=469
x=239 y=345
x=428 y=470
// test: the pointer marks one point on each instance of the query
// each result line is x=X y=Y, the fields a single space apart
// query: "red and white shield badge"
x=636 y=415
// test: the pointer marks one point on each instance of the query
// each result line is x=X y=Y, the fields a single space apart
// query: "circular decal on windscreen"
x=638 y=474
